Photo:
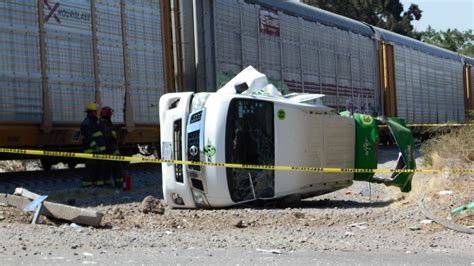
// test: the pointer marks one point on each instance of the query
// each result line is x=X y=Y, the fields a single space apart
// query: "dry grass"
x=451 y=149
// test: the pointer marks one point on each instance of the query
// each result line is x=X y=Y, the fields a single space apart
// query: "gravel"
x=367 y=218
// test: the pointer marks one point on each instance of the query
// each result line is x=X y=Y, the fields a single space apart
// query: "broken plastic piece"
x=35 y=203
x=463 y=208
x=445 y=192
x=414 y=227
x=272 y=251
x=76 y=227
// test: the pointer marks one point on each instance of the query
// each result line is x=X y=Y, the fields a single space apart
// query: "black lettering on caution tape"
x=228 y=165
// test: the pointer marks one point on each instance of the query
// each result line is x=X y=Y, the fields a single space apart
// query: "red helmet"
x=106 y=111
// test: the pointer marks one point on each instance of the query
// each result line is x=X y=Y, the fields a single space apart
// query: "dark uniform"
x=112 y=169
x=94 y=143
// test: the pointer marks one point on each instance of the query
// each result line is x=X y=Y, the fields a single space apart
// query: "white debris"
x=76 y=227
x=272 y=251
x=445 y=192
x=362 y=225
x=348 y=234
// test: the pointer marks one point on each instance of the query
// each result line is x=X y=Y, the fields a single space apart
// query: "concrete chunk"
x=56 y=210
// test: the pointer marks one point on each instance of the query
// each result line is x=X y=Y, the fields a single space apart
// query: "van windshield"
x=250 y=139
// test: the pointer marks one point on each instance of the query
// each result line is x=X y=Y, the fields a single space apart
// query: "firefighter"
x=94 y=143
x=113 y=169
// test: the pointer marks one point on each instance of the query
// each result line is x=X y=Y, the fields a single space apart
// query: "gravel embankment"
x=372 y=220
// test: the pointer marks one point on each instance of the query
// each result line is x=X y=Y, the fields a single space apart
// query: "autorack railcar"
x=57 y=55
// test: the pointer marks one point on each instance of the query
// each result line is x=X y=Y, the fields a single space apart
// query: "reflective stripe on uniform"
x=92 y=144
x=97 y=134
x=102 y=148
x=89 y=151
x=99 y=183
x=114 y=134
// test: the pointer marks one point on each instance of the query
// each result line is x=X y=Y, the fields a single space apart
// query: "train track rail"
x=44 y=182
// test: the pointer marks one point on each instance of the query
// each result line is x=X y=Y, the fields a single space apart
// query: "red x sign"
x=52 y=10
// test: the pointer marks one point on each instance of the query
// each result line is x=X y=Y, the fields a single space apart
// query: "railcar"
x=57 y=55
x=357 y=66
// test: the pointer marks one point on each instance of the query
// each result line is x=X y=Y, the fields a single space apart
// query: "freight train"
x=58 y=55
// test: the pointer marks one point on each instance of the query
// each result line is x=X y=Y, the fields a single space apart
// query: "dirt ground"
x=367 y=218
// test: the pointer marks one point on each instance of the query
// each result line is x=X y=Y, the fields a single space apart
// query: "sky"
x=444 y=14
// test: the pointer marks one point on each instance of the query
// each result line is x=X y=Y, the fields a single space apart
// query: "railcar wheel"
x=46 y=163
x=71 y=164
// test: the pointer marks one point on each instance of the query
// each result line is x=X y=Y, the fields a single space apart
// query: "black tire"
x=47 y=163
x=71 y=164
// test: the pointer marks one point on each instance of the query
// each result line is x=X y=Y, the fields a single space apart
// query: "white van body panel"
x=311 y=137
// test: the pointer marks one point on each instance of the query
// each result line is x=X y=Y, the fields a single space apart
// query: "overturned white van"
x=249 y=122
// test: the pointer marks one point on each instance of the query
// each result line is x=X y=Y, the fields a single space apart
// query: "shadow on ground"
x=63 y=186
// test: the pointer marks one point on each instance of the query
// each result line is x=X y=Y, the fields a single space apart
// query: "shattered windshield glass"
x=250 y=140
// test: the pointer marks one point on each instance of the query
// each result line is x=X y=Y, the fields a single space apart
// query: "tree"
x=387 y=14
x=452 y=39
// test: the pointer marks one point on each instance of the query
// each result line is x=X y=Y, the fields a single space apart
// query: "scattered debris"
x=441 y=221
x=463 y=208
x=82 y=216
x=76 y=227
x=414 y=227
x=272 y=251
x=445 y=192
x=427 y=221
x=362 y=225
x=299 y=215
x=241 y=224
x=151 y=204
x=36 y=205
x=118 y=213
x=348 y=234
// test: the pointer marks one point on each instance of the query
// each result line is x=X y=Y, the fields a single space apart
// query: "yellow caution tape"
x=434 y=125
x=226 y=165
